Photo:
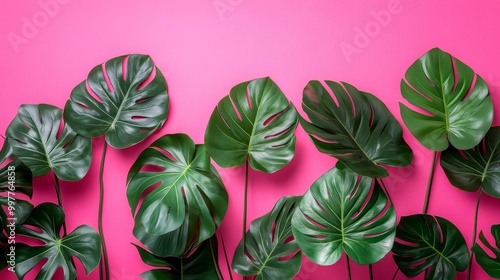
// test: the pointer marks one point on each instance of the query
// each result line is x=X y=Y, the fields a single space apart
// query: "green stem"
x=381 y=182
x=59 y=201
x=104 y=266
x=370 y=268
x=429 y=184
x=214 y=257
x=474 y=233
x=225 y=255
x=348 y=267
x=395 y=274
x=245 y=207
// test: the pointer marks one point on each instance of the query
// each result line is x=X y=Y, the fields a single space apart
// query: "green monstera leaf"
x=255 y=122
x=343 y=211
x=14 y=175
x=268 y=241
x=424 y=242
x=124 y=99
x=186 y=187
x=360 y=131
x=200 y=264
x=456 y=102
x=490 y=265
x=47 y=219
x=36 y=140
x=476 y=168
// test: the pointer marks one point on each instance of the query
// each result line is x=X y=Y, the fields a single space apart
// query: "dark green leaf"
x=426 y=242
x=478 y=167
x=83 y=243
x=128 y=111
x=185 y=184
x=490 y=265
x=35 y=139
x=254 y=122
x=360 y=131
x=456 y=102
x=343 y=211
x=201 y=264
x=268 y=241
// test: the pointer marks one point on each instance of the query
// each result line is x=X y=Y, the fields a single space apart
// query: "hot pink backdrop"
x=206 y=47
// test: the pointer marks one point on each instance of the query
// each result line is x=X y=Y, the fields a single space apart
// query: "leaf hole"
x=84 y=106
x=69 y=142
x=106 y=78
x=273 y=231
x=471 y=87
x=278 y=134
x=165 y=153
x=249 y=100
x=223 y=120
x=135 y=118
x=124 y=67
x=349 y=95
x=141 y=100
x=287 y=257
x=235 y=108
x=407 y=243
x=92 y=93
x=289 y=239
x=152 y=168
x=314 y=222
x=148 y=80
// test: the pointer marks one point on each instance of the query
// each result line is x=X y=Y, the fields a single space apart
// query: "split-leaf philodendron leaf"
x=455 y=99
x=186 y=187
x=38 y=141
x=255 y=122
x=343 y=212
x=357 y=128
x=476 y=168
x=270 y=249
x=424 y=242
x=47 y=219
x=201 y=264
x=490 y=265
x=124 y=99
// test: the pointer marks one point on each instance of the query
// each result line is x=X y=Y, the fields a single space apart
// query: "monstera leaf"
x=185 y=184
x=268 y=241
x=200 y=264
x=255 y=122
x=120 y=100
x=36 y=140
x=456 y=102
x=490 y=265
x=47 y=219
x=360 y=131
x=424 y=242
x=342 y=211
x=478 y=167
x=14 y=173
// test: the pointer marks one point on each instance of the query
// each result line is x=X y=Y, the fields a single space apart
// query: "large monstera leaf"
x=268 y=242
x=455 y=99
x=47 y=219
x=125 y=99
x=186 y=184
x=36 y=140
x=343 y=211
x=424 y=242
x=478 y=167
x=255 y=122
x=200 y=264
x=360 y=131
x=490 y=265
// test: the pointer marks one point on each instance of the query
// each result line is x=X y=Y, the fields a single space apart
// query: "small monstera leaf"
x=124 y=99
x=360 y=131
x=15 y=176
x=490 y=265
x=478 y=167
x=343 y=211
x=36 y=140
x=255 y=122
x=47 y=219
x=456 y=102
x=424 y=242
x=185 y=184
x=268 y=241
x=200 y=264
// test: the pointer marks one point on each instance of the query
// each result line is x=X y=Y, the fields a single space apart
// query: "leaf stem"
x=348 y=267
x=245 y=200
x=395 y=274
x=370 y=269
x=474 y=233
x=59 y=201
x=104 y=266
x=214 y=257
x=429 y=183
x=225 y=255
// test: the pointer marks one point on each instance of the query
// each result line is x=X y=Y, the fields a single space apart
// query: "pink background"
x=203 y=52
